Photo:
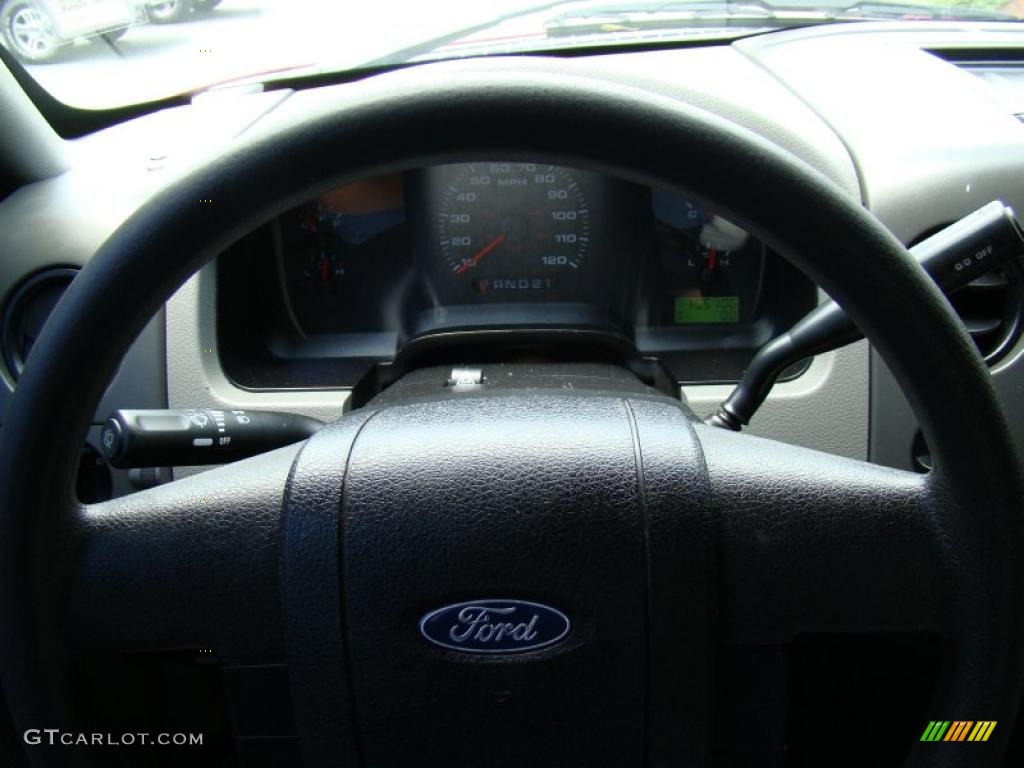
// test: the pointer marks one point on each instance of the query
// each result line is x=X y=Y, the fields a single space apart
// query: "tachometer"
x=513 y=225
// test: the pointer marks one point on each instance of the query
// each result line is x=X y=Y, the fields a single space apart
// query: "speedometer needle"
x=473 y=260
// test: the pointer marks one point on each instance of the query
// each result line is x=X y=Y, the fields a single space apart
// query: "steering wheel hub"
x=507 y=506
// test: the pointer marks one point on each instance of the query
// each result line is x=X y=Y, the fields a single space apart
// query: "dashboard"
x=528 y=254
x=917 y=121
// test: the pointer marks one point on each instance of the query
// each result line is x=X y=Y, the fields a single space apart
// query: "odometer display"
x=707 y=309
x=512 y=227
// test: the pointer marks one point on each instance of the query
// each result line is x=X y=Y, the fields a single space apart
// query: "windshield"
x=108 y=53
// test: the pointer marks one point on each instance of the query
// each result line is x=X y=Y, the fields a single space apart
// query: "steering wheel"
x=656 y=538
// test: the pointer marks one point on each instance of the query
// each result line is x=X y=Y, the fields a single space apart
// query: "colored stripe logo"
x=958 y=730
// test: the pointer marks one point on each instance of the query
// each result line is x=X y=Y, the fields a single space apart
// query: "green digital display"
x=707 y=309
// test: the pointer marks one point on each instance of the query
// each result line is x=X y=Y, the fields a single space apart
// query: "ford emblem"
x=495 y=626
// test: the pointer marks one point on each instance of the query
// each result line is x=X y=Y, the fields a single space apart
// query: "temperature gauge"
x=713 y=257
x=324 y=270
x=713 y=270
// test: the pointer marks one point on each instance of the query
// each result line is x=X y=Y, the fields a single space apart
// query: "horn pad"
x=500 y=603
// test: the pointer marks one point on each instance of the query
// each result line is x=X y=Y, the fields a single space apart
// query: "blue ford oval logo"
x=495 y=626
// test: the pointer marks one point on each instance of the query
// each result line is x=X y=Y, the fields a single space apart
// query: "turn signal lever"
x=197 y=436
x=953 y=257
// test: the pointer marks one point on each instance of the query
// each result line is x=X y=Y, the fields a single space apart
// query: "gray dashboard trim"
x=934 y=142
x=825 y=408
x=194 y=374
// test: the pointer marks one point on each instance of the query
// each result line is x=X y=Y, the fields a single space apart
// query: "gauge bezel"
x=524 y=221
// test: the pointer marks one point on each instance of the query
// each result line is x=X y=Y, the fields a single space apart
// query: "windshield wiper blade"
x=639 y=21
x=718 y=14
x=639 y=16
x=923 y=12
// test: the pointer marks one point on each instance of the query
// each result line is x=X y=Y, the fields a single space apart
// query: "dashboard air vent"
x=26 y=311
x=992 y=309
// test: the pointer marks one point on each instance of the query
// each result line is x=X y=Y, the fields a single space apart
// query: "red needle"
x=712 y=257
x=473 y=260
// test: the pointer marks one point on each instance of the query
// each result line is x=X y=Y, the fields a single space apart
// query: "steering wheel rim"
x=447 y=112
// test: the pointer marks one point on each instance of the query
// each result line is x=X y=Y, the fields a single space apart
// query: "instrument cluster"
x=363 y=272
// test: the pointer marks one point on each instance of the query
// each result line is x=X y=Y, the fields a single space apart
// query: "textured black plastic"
x=311 y=596
x=189 y=564
x=809 y=540
x=467 y=110
x=198 y=437
x=682 y=598
x=530 y=498
x=581 y=379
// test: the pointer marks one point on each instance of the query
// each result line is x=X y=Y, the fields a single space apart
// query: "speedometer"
x=513 y=226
